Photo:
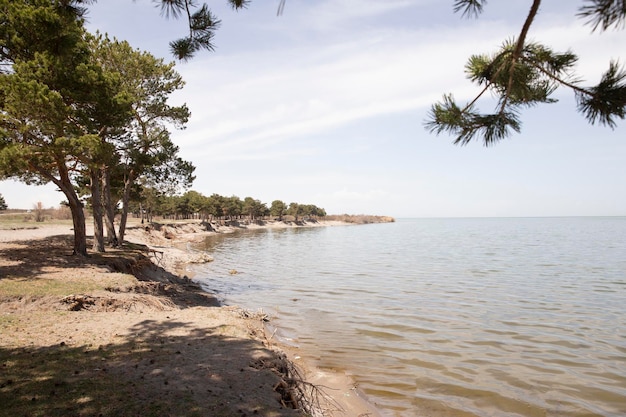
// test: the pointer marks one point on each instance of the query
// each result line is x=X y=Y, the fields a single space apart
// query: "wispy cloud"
x=297 y=92
x=256 y=100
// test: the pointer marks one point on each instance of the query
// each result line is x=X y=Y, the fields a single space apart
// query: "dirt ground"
x=119 y=334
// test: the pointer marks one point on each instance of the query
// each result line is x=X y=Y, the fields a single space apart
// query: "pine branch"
x=189 y=19
x=281 y=7
x=558 y=79
x=519 y=48
x=172 y=8
x=602 y=14
x=471 y=103
x=607 y=100
x=239 y=4
x=467 y=124
x=470 y=8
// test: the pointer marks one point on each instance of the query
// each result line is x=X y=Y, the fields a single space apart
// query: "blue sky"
x=326 y=105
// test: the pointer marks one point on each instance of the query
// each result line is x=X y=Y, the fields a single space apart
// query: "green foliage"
x=254 y=208
x=607 y=100
x=3 y=204
x=602 y=14
x=278 y=209
x=233 y=207
x=75 y=107
x=469 y=8
x=215 y=205
x=467 y=124
x=202 y=25
x=55 y=104
x=28 y=27
x=311 y=211
x=193 y=204
x=294 y=210
x=144 y=145
x=527 y=80
x=50 y=93
x=523 y=74
x=305 y=210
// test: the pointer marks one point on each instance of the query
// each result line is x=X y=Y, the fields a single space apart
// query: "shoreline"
x=168 y=249
x=339 y=396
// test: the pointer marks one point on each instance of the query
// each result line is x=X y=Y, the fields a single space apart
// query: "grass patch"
x=19 y=221
x=39 y=287
x=28 y=287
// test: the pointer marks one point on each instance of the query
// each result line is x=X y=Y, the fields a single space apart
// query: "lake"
x=447 y=317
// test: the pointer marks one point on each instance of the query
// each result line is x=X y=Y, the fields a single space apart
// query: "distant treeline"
x=194 y=205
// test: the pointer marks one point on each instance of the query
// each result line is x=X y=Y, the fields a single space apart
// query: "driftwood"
x=79 y=302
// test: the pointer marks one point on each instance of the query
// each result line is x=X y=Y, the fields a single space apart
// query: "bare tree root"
x=300 y=394
x=295 y=391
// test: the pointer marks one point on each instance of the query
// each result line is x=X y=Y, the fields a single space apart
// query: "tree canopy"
x=143 y=147
x=523 y=74
x=193 y=204
x=73 y=106
x=54 y=100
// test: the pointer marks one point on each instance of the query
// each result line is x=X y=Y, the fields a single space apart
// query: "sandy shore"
x=123 y=333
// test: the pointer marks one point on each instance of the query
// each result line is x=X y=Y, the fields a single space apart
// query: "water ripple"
x=448 y=317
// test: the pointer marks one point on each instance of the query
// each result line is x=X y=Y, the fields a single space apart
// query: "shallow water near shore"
x=447 y=317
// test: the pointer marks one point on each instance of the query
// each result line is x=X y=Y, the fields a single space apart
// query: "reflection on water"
x=448 y=317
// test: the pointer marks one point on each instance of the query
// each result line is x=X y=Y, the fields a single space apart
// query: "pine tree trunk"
x=80 y=229
x=76 y=207
x=125 y=201
x=96 y=205
x=109 y=209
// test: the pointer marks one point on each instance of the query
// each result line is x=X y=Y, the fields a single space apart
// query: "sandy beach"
x=125 y=333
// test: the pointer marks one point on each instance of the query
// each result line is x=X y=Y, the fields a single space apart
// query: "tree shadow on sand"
x=31 y=256
x=168 y=368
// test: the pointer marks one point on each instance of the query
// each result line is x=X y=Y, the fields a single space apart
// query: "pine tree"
x=523 y=74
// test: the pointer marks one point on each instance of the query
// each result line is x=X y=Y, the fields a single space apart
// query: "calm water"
x=448 y=317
